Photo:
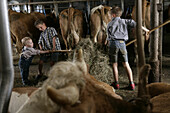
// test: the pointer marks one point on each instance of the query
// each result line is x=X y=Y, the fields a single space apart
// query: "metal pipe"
x=140 y=47
x=51 y=2
x=140 y=44
x=6 y=63
x=122 y=5
x=160 y=10
x=154 y=36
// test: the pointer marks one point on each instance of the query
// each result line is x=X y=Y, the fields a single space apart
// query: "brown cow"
x=158 y=88
x=74 y=90
x=22 y=25
x=99 y=19
x=146 y=14
x=72 y=26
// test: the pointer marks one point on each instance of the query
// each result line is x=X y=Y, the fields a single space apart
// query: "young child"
x=26 y=58
x=48 y=41
x=117 y=31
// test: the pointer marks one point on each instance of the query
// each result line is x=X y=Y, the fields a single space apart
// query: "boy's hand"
x=53 y=49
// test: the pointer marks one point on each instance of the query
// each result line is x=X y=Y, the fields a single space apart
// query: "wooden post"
x=154 y=73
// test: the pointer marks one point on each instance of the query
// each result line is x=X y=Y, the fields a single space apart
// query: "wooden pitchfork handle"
x=54 y=51
x=150 y=31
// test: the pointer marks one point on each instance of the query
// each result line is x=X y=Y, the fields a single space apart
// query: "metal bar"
x=6 y=62
x=160 y=10
x=122 y=5
x=51 y=2
x=140 y=44
x=56 y=10
x=153 y=60
x=140 y=47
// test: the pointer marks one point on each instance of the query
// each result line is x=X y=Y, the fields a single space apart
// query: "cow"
x=158 y=88
x=72 y=26
x=146 y=14
x=22 y=25
x=99 y=18
x=71 y=89
x=161 y=103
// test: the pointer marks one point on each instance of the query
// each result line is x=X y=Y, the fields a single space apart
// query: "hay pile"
x=97 y=60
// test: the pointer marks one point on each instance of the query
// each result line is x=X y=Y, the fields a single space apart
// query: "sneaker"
x=131 y=86
x=115 y=85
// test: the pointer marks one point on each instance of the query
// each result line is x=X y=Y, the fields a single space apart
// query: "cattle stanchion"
x=6 y=63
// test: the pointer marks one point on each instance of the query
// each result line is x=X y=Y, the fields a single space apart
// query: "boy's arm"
x=54 y=48
x=40 y=46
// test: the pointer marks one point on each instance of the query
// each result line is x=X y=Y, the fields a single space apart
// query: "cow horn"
x=67 y=95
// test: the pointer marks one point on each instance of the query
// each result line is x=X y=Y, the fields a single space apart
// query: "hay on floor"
x=98 y=61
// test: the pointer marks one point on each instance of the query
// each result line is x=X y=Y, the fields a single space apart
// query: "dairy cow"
x=99 y=18
x=71 y=89
x=22 y=25
x=72 y=26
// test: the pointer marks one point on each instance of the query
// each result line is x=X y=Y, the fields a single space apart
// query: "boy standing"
x=117 y=31
x=48 y=41
x=26 y=58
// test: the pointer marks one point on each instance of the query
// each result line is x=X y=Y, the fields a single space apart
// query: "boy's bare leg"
x=115 y=72
x=128 y=71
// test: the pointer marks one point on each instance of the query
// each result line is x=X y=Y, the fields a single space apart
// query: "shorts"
x=115 y=47
x=52 y=57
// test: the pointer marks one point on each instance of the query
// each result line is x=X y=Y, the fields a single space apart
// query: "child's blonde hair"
x=24 y=40
x=117 y=11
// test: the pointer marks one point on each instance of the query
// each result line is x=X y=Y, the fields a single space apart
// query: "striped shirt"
x=118 y=28
x=46 y=39
x=28 y=52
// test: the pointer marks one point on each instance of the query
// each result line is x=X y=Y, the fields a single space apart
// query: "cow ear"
x=80 y=56
x=80 y=61
x=68 y=95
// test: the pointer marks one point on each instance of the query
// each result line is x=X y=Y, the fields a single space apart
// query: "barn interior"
x=94 y=55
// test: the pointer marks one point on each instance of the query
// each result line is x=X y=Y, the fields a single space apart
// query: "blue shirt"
x=118 y=28
x=46 y=39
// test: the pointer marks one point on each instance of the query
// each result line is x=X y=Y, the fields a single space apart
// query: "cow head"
x=69 y=92
x=64 y=79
